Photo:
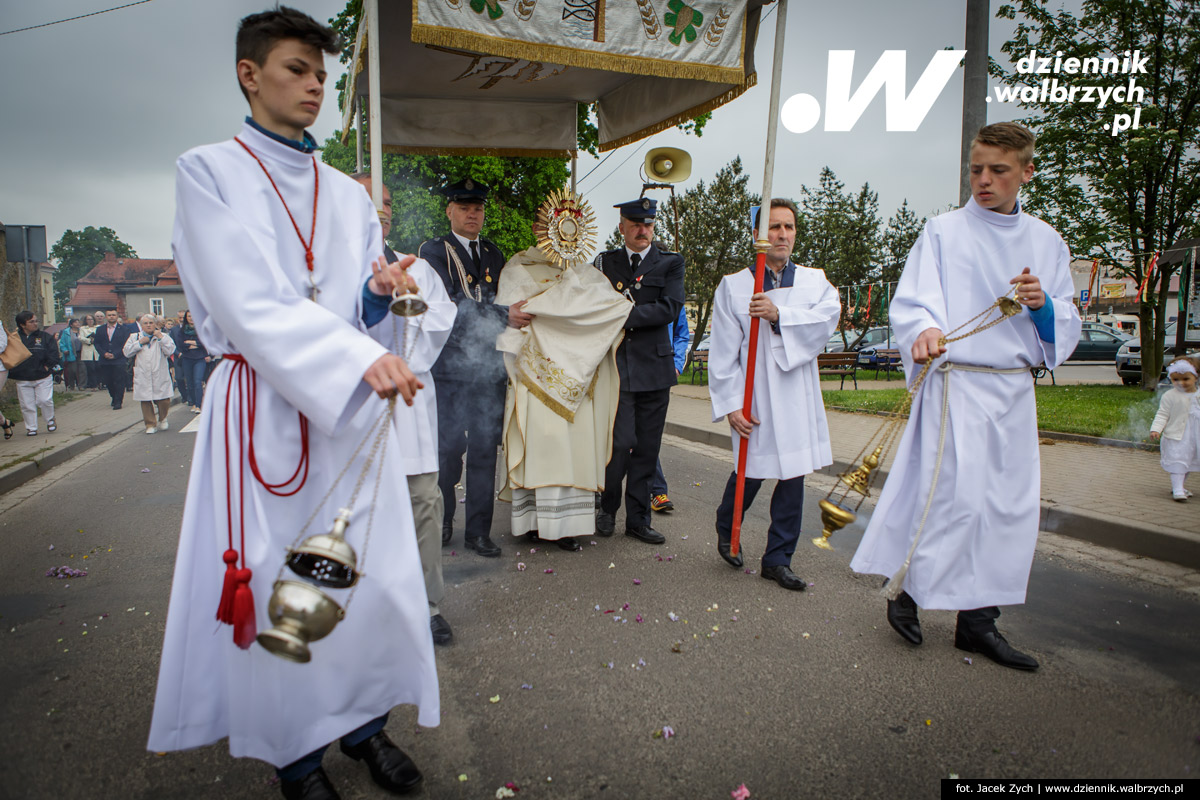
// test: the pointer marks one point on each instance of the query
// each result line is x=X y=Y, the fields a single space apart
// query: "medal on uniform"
x=637 y=284
x=470 y=279
x=620 y=286
x=488 y=277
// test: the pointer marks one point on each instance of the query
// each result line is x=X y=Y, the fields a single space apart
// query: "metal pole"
x=574 y=168
x=28 y=276
x=1186 y=276
x=358 y=133
x=373 y=103
x=974 y=107
x=760 y=265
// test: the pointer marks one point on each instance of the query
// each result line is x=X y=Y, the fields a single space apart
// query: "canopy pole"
x=358 y=133
x=574 y=168
x=760 y=245
x=373 y=104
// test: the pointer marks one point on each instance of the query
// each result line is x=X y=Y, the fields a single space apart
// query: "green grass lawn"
x=1113 y=412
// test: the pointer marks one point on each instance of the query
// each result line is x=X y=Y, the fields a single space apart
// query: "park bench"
x=888 y=361
x=843 y=365
x=699 y=363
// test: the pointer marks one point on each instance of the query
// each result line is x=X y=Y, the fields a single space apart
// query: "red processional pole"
x=760 y=264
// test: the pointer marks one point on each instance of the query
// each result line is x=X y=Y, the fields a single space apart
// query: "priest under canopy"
x=273 y=248
x=563 y=384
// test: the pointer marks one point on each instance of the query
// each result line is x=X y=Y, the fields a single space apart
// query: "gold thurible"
x=835 y=514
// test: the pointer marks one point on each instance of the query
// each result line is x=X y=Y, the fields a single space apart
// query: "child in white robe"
x=1176 y=427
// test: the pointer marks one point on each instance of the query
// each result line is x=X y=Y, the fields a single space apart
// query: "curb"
x=1077 y=438
x=1138 y=539
x=29 y=470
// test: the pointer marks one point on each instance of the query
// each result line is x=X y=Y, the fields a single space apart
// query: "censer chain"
x=380 y=424
x=892 y=427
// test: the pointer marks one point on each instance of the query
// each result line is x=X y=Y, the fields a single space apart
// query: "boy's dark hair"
x=779 y=202
x=258 y=33
x=1011 y=137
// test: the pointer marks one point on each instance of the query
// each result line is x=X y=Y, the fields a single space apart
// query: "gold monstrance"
x=836 y=511
x=566 y=228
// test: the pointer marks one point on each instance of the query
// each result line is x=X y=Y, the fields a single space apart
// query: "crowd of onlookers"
x=151 y=356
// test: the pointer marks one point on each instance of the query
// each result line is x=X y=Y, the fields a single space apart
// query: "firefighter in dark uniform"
x=653 y=280
x=469 y=375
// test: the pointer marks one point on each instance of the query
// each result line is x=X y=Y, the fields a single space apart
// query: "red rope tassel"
x=236 y=607
x=225 y=609
x=244 y=627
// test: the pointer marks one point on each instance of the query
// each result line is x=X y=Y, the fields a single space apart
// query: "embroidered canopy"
x=504 y=77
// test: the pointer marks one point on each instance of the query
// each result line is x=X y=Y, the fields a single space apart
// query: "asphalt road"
x=794 y=694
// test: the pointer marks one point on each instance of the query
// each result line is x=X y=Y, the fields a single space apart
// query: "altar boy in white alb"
x=275 y=251
x=787 y=432
x=957 y=521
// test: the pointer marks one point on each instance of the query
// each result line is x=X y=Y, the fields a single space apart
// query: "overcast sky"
x=96 y=110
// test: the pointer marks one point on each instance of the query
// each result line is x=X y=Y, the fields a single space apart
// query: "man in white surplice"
x=562 y=396
x=419 y=340
x=283 y=302
x=957 y=521
x=789 y=437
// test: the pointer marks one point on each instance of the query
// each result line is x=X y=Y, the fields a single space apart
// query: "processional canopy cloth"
x=504 y=77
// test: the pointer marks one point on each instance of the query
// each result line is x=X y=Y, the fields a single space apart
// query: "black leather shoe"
x=605 y=523
x=646 y=534
x=995 y=647
x=723 y=551
x=484 y=546
x=570 y=544
x=441 y=629
x=902 y=616
x=313 y=786
x=447 y=533
x=390 y=767
x=783 y=575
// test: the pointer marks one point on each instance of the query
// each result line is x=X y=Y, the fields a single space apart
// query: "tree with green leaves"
x=839 y=233
x=897 y=240
x=518 y=188
x=1118 y=197
x=715 y=237
x=77 y=252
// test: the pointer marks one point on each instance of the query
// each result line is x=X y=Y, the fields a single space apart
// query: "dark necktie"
x=475 y=255
x=634 y=261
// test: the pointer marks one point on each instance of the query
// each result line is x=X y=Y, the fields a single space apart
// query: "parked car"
x=1129 y=356
x=1103 y=326
x=1097 y=343
x=838 y=344
x=872 y=340
x=702 y=345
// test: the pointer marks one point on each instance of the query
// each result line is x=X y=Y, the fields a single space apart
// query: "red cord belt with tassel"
x=237 y=601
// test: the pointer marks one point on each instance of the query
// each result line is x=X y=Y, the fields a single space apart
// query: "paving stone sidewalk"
x=1113 y=496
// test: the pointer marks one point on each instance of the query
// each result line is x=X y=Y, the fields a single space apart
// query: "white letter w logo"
x=801 y=111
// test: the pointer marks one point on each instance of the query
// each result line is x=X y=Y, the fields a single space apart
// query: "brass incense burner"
x=300 y=609
x=408 y=303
